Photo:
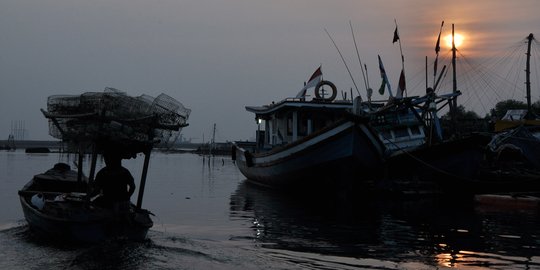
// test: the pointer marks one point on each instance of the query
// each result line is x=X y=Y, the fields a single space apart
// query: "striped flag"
x=312 y=82
x=384 y=78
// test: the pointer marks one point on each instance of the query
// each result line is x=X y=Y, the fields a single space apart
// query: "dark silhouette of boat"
x=58 y=204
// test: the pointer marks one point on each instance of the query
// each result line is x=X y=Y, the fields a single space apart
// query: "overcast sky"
x=218 y=56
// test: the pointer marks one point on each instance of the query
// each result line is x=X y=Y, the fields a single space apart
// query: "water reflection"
x=431 y=231
x=23 y=250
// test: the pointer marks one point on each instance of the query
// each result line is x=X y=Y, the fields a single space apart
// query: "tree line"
x=497 y=112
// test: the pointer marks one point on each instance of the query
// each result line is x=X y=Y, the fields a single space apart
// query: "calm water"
x=208 y=217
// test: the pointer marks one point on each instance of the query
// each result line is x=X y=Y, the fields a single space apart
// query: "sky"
x=217 y=56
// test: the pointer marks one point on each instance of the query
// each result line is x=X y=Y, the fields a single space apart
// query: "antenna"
x=345 y=63
x=358 y=54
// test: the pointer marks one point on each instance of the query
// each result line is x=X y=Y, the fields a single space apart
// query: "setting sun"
x=458 y=40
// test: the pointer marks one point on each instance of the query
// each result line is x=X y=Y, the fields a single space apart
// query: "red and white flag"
x=312 y=82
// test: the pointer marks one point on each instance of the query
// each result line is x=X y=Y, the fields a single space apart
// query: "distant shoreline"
x=55 y=145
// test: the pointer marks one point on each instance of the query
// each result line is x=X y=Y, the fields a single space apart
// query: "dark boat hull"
x=83 y=228
x=455 y=167
x=74 y=219
x=344 y=155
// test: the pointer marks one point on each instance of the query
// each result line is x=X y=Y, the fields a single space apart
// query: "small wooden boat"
x=57 y=204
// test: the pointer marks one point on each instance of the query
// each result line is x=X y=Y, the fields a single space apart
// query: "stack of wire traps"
x=114 y=115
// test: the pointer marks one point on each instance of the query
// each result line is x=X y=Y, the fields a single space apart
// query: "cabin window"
x=302 y=125
x=415 y=130
x=401 y=132
x=318 y=123
x=289 y=125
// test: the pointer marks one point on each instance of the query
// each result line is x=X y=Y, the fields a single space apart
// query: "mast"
x=426 y=74
x=453 y=107
x=401 y=83
x=454 y=80
x=528 y=73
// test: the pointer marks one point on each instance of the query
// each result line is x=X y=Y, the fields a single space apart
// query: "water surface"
x=208 y=217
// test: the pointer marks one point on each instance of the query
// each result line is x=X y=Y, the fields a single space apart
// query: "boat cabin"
x=293 y=119
x=399 y=129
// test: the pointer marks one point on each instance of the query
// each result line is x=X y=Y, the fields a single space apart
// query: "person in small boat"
x=114 y=182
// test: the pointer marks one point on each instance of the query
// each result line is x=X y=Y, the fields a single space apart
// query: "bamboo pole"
x=93 y=164
x=80 y=163
x=143 y=179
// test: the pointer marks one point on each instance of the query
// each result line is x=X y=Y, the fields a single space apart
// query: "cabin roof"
x=297 y=103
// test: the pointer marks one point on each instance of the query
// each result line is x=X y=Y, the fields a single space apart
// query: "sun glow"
x=458 y=40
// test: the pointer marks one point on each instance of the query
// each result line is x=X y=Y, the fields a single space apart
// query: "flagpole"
x=437 y=49
x=400 y=50
x=401 y=84
x=367 y=77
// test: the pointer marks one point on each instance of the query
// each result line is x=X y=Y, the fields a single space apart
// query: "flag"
x=437 y=49
x=312 y=82
x=384 y=78
x=437 y=46
x=401 y=85
x=396 y=36
x=383 y=85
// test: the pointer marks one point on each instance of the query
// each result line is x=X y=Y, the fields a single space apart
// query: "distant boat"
x=516 y=118
x=37 y=150
x=475 y=163
x=507 y=202
x=513 y=152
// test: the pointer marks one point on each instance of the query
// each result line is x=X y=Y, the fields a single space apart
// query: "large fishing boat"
x=328 y=143
x=58 y=204
x=310 y=143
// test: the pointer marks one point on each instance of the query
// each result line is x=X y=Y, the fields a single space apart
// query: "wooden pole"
x=93 y=164
x=143 y=179
x=426 y=74
x=80 y=164
x=528 y=74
